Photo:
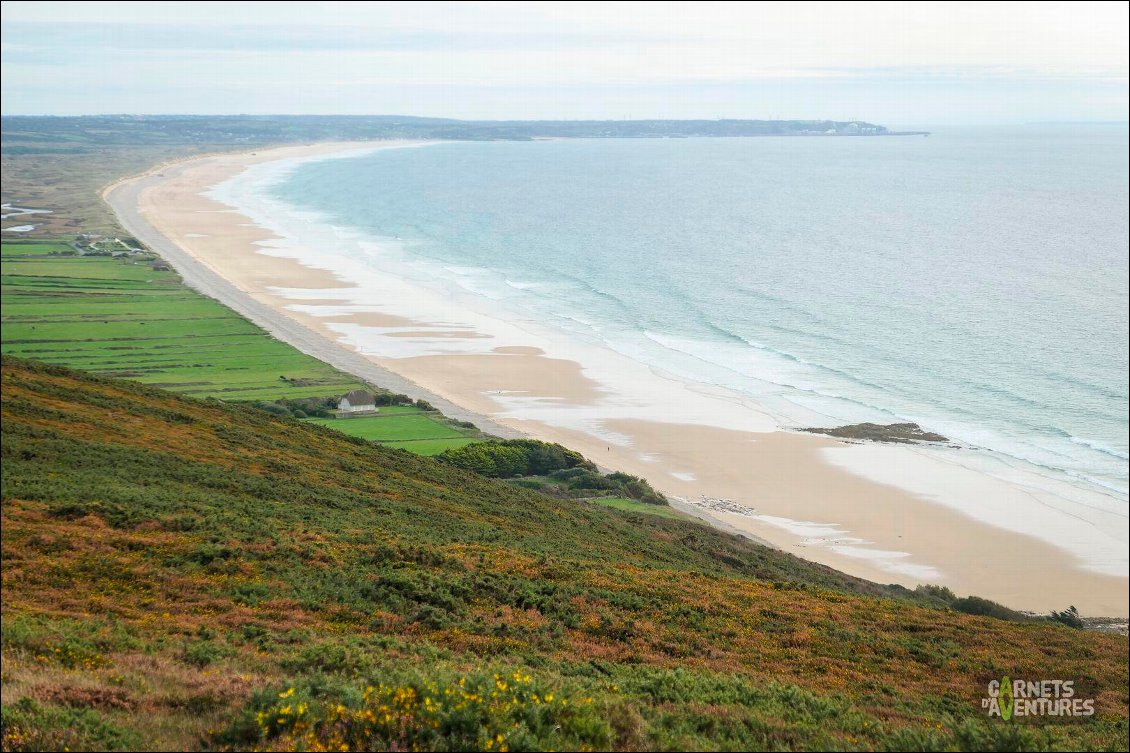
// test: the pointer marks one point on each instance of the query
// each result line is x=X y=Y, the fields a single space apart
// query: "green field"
x=399 y=410
x=411 y=429
x=33 y=248
x=631 y=505
x=120 y=317
x=429 y=447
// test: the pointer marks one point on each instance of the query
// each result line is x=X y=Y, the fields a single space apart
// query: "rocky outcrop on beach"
x=898 y=433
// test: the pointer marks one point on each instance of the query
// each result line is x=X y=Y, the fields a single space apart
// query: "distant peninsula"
x=70 y=134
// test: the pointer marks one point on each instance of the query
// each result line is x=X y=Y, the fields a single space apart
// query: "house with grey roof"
x=356 y=403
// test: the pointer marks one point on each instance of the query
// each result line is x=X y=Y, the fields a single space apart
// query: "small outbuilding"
x=356 y=403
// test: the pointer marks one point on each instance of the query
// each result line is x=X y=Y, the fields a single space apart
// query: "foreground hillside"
x=181 y=573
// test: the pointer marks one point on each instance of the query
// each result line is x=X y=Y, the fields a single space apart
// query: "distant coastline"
x=71 y=133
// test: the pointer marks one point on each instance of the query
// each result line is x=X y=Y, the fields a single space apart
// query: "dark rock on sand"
x=901 y=433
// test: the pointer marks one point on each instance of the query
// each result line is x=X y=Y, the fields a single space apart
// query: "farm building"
x=356 y=403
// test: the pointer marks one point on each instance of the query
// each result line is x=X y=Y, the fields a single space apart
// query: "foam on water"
x=819 y=281
x=770 y=267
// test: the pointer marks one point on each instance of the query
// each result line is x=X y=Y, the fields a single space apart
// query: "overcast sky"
x=900 y=64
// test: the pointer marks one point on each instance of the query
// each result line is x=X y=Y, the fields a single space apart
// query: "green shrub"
x=593 y=481
x=201 y=653
x=530 y=483
x=984 y=607
x=275 y=409
x=513 y=457
x=564 y=474
x=27 y=725
x=319 y=657
x=1069 y=617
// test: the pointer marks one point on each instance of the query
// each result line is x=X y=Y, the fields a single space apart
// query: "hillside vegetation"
x=29 y=134
x=183 y=573
x=548 y=469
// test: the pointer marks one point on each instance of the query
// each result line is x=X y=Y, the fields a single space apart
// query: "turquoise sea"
x=973 y=281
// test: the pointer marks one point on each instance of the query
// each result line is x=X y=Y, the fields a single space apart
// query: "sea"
x=973 y=281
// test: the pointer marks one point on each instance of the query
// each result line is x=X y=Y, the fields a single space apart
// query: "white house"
x=356 y=403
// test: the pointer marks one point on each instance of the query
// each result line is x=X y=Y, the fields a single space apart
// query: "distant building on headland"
x=858 y=129
x=356 y=403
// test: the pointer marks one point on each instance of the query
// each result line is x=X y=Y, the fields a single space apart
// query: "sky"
x=900 y=64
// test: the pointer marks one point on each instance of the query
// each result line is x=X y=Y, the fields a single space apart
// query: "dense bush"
x=943 y=597
x=507 y=458
x=275 y=409
x=984 y=607
x=566 y=473
x=637 y=489
x=301 y=407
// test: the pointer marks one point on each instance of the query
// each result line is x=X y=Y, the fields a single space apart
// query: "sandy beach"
x=891 y=514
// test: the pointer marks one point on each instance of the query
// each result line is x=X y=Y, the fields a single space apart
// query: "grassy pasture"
x=33 y=248
x=429 y=447
x=405 y=427
x=631 y=505
x=119 y=317
x=391 y=428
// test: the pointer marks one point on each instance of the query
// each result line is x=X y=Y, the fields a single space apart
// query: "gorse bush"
x=486 y=712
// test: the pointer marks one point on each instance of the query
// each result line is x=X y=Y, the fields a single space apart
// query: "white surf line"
x=838 y=540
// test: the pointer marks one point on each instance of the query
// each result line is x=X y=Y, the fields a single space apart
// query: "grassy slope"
x=122 y=318
x=631 y=505
x=390 y=428
x=173 y=567
x=416 y=431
